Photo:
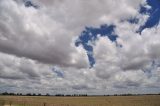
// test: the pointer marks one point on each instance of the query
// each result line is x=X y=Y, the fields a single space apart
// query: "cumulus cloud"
x=39 y=33
x=33 y=41
x=31 y=33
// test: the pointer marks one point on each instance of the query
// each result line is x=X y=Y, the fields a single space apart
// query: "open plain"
x=145 y=100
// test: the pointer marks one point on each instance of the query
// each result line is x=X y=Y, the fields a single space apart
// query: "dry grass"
x=149 y=100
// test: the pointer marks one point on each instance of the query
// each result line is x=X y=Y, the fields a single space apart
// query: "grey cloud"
x=105 y=70
x=49 y=46
x=154 y=52
x=132 y=83
x=130 y=79
x=28 y=69
x=80 y=87
x=12 y=76
x=119 y=86
x=135 y=63
x=127 y=84
x=16 y=69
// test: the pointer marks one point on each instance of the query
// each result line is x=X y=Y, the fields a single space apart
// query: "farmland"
x=146 y=100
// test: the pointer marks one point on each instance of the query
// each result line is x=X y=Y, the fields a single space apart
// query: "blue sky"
x=154 y=16
x=90 y=47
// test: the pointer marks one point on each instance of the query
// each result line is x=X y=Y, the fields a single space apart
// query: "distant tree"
x=59 y=95
x=115 y=95
x=5 y=93
x=19 y=94
x=11 y=94
x=33 y=94
x=47 y=94
x=39 y=94
x=75 y=95
x=28 y=94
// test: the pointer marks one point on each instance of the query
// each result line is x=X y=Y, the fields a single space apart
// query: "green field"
x=148 y=100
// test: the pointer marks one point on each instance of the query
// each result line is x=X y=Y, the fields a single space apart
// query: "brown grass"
x=148 y=100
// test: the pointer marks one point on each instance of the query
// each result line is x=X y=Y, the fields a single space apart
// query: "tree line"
x=72 y=95
x=39 y=94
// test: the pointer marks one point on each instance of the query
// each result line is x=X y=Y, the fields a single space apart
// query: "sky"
x=80 y=46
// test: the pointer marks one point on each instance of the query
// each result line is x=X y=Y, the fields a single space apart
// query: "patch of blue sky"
x=133 y=20
x=154 y=14
x=29 y=3
x=58 y=72
x=90 y=34
x=154 y=65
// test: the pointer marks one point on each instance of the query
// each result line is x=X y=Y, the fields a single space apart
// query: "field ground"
x=147 y=100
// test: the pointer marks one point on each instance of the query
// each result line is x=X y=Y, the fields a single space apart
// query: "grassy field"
x=148 y=100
